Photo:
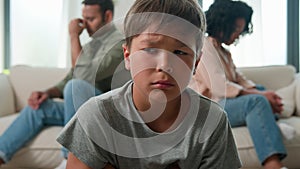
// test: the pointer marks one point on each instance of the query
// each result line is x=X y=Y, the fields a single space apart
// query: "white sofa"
x=44 y=151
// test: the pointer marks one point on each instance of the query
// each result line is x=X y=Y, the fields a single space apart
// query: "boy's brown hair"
x=188 y=10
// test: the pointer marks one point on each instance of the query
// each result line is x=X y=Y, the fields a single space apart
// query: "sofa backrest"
x=26 y=79
x=7 y=96
x=272 y=77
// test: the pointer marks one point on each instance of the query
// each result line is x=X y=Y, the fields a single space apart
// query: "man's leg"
x=27 y=125
x=76 y=92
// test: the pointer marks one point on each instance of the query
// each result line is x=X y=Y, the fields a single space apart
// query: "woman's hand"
x=274 y=100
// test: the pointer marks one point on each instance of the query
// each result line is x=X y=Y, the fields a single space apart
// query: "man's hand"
x=36 y=98
x=76 y=26
x=274 y=100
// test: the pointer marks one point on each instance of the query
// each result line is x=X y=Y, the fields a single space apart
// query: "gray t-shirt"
x=109 y=129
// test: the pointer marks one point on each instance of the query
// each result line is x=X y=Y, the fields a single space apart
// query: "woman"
x=217 y=78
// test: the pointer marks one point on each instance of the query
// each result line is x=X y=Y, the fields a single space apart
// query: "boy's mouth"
x=162 y=84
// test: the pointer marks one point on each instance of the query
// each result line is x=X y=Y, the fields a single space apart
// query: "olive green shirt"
x=98 y=61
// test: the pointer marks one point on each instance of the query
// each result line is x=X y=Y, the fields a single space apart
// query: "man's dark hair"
x=104 y=5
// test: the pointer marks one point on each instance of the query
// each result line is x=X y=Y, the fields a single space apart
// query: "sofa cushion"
x=7 y=103
x=41 y=78
x=247 y=151
x=42 y=152
x=288 y=99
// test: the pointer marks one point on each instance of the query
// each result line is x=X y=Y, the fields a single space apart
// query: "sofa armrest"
x=7 y=103
x=297 y=94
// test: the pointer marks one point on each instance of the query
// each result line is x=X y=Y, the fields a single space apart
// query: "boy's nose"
x=164 y=62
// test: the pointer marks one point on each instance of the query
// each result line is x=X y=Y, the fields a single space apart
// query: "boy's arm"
x=78 y=141
x=75 y=163
x=221 y=150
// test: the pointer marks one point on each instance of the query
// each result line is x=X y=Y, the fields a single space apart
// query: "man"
x=93 y=66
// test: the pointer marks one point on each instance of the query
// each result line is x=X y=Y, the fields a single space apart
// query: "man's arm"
x=112 y=59
x=76 y=27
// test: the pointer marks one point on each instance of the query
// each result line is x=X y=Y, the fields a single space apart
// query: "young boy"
x=154 y=121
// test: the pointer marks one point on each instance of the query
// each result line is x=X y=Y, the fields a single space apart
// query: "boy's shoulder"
x=207 y=108
x=205 y=101
x=115 y=94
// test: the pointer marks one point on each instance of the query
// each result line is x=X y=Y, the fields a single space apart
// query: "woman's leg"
x=255 y=112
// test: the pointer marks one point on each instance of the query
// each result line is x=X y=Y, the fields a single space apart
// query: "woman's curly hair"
x=222 y=15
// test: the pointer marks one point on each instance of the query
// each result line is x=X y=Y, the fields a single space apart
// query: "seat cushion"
x=42 y=152
x=247 y=152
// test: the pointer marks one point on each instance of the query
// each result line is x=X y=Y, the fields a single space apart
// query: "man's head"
x=97 y=13
x=163 y=42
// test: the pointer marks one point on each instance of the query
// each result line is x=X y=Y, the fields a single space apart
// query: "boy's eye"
x=150 y=50
x=179 y=52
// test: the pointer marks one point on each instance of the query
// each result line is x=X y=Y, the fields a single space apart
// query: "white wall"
x=40 y=36
x=121 y=8
x=72 y=9
x=35 y=29
x=1 y=35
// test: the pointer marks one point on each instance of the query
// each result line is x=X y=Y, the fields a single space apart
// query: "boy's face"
x=159 y=63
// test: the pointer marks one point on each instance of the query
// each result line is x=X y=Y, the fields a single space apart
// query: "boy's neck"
x=163 y=120
x=166 y=121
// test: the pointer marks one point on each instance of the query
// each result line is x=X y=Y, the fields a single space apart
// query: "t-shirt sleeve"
x=74 y=138
x=221 y=151
x=61 y=85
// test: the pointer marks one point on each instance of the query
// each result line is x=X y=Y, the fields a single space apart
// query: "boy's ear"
x=108 y=16
x=126 y=54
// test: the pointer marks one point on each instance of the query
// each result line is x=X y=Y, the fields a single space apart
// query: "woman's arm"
x=271 y=96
